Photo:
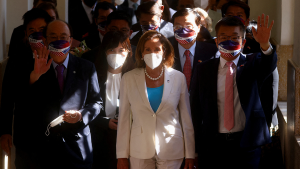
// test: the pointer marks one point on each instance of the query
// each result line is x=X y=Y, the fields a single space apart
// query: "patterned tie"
x=229 y=107
x=135 y=6
x=187 y=68
x=60 y=76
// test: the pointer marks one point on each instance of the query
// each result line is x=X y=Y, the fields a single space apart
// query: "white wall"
x=62 y=7
x=287 y=19
x=2 y=29
x=271 y=8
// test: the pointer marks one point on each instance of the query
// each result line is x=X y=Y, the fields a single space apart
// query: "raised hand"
x=41 y=64
x=263 y=33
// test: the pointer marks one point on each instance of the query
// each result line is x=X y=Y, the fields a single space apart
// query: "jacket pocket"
x=136 y=131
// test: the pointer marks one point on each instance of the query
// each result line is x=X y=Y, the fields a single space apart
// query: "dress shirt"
x=130 y=3
x=101 y=37
x=239 y=114
x=88 y=12
x=112 y=94
x=65 y=63
x=182 y=56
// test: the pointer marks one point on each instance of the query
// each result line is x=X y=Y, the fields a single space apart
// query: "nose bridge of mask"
x=115 y=60
x=229 y=48
x=152 y=60
x=59 y=47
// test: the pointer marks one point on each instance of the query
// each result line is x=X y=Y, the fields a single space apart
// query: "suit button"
x=153 y=115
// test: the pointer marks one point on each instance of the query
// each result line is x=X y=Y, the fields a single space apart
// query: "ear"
x=247 y=22
x=131 y=31
x=71 y=40
x=216 y=40
x=162 y=8
x=244 y=42
x=95 y=21
x=45 y=41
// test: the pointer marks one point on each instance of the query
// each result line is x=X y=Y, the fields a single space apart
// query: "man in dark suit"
x=94 y=36
x=229 y=121
x=186 y=27
x=18 y=35
x=80 y=18
x=149 y=15
x=268 y=89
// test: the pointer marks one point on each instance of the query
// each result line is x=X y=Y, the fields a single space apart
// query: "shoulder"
x=175 y=72
x=81 y=62
x=133 y=72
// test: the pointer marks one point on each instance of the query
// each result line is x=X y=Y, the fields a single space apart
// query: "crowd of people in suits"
x=156 y=90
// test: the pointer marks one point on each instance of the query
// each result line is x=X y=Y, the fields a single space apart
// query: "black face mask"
x=90 y=3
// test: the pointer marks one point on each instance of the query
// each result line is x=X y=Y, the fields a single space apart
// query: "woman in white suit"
x=155 y=129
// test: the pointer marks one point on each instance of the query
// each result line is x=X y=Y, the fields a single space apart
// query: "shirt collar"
x=130 y=3
x=223 y=61
x=65 y=63
x=87 y=8
x=182 y=49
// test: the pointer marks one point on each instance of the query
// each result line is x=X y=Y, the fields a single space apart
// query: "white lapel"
x=168 y=81
x=141 y=85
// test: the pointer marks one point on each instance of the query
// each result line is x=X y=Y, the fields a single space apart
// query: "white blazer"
x=169 y=132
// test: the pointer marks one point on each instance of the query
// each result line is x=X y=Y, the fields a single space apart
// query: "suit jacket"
x=92 y=39
x=128 y=11
x=160 y=132
x=204 y=104
x=82 y=93
x=203 y=52
x=166 y=28
x=79 y=22
x=16 y=41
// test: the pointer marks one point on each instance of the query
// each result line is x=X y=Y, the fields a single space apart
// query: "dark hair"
x=34 y=14
x=69 y=26
x=151 y=8
x=231 y=21
x=167 y=49
x=54 y=2
x=187 y=11
x=111 y=40
x=47 y=6
x=252 y=23
x=237 y=3
x=119 y=15
x=166 y=13
x=104 y=6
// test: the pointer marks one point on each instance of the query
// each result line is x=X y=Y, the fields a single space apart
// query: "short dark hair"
x=69 y=26
x=34 y=14
x=231 y=21
x=151 y=8
x=119 y=15
x=112 y=39
x=185 y=12
x=35 y=2
x=47 y=6
x=104 y=6
x=237 y=3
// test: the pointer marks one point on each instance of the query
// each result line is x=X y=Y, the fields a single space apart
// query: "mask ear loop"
x=48 y=130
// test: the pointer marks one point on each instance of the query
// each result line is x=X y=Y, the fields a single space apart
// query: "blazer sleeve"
x=93 y=103
x=265 y=64
x=186 y=120
x=124 y=122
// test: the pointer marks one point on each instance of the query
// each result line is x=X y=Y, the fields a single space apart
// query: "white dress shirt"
x=239 y=114
x=130 y=3
x=101 y=37
x=88 y=12
x=65 y=63
x=112 y=94
x=192 y=50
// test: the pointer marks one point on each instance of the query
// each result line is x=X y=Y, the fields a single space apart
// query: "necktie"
x=60 y=76
x=187 y=68
x=229 y=107
x=135 y=6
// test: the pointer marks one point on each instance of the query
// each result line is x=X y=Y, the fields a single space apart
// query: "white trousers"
x=154 y=163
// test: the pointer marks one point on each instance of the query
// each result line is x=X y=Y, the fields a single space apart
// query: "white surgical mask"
x=115 y=60
x=153 y=60
x=119 y=2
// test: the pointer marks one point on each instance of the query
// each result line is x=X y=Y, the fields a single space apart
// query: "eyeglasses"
x=233 y=38
x=176 y=27
x=55 y=38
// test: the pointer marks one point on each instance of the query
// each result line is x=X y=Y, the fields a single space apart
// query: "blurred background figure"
x=50 y=9
x=185 y=4
x=206 y=28
x=94 y=36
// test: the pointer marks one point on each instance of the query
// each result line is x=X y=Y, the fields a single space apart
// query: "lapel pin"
x=199 y=61
x=242 y=65
x=74 y=72
x=168 y=81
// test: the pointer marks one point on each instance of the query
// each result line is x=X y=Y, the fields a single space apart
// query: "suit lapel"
x=141 y=85
x=177 y=64
x=214 y=87
x=168 y=81
x=71 y=73
x=240 y=67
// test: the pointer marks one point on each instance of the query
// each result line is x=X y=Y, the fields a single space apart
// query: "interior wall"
x=287 y=19
x=271 y=8
x=2 y=29
x=296 y=56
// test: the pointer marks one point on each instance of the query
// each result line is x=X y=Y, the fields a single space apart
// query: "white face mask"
x=119 y=2
x=115 y=60
x=153 y=60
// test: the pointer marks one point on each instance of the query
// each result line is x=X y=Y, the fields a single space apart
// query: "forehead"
x=190 y=18
x=146 y=17
x=235 y=9
x=58 y=27
x=118 y=23
x=152 y=43
x=230 y=30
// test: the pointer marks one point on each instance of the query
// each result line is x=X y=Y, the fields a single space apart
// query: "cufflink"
x=199 y=61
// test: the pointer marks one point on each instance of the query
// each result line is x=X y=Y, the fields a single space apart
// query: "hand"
x=263 y=32
x=72 y=116
x=123 y=163
x=112 y=124
x=189 y=164
x=41 y=66
x=6 y=143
